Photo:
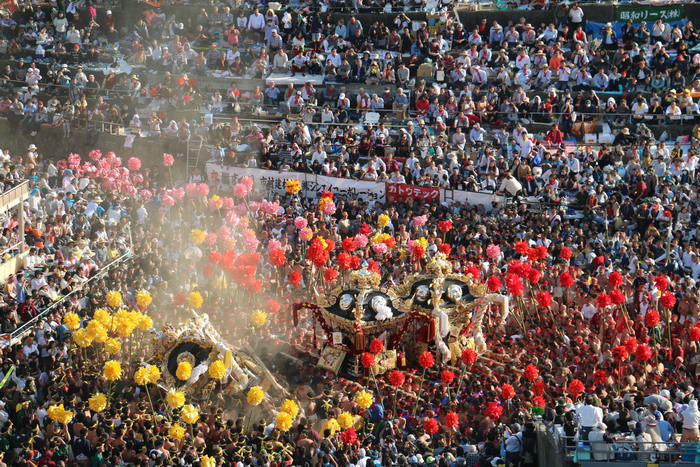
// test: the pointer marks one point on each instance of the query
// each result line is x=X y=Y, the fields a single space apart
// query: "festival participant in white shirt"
x=639 y=109
x=691 y=421
x=479 y=76
x=256 y=21
x=519 y=132
x=544 y=77
x=564 y=76
x=575 y=16
x=510 y=185
x=523 y=77
x=476 y=135
x=474 y=38
x=583 y=79
x=522 y=59
x=601 y=80
x=588 y=416
x=550 y=35
x=673 y=110
x=529 y=36
x=573 y=163
x=525 y=146
x=539 y=60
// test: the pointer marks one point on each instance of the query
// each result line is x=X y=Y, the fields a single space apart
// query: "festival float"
x=190 y=357
x=437 y=308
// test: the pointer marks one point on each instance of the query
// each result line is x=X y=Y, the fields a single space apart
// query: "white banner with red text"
x=313 y=185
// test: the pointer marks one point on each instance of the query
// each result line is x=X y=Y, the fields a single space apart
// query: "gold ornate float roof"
x=346 y=307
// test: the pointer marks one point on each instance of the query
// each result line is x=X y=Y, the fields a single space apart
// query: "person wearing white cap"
x=343 y=101
x=476 y=135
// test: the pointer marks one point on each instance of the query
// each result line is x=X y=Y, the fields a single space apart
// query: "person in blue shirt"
x=665 y=428
x=376 y=412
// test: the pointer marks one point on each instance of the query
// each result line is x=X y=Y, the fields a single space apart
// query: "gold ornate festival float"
x=197 y=342
x=438 y=307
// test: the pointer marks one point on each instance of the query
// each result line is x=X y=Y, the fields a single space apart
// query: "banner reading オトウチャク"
x=638 y=13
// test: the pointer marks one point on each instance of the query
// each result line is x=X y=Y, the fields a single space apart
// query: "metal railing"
x=557 y=450
x=16 y=246
x=627 y=451
x=14 y=196
x=9 y=339
x=111 y=125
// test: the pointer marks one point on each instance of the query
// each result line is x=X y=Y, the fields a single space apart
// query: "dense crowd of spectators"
x=619 y=219
x=453 y=87
x=643 y=401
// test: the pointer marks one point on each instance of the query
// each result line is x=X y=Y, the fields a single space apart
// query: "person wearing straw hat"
x=529 y=36
x=496 y=33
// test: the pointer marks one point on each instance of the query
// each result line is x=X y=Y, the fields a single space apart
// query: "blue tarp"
x=595 y=28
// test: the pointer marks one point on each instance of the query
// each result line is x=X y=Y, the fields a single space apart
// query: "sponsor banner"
x=638 y=13
x=313 y=185
x=402 y=192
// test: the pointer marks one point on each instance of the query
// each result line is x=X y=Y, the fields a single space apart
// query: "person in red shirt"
x=422 y=105
x=554 y=137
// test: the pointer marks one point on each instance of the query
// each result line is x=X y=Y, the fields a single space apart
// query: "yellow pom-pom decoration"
x=113 y=345
x=147 y=374
x=189 y=414
x=198 y=236
x=143 y=299
x=112 y=370
x=290 y=407
x=153 y=374
x=364 y=399
x=114 y=298
x=345 y=420
x=176 y=432
x=255 y=395
x=97 y=402
x=292 y=186
x=82 y=338
x=217 y=369
x=72 y=321
x=195 y=299
x=184 y=370
x=258 y=318
x=145 y=323
x=175 y=399
x=103 y=317
x=60 y=414
x=283 y=422
x=96 y=331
